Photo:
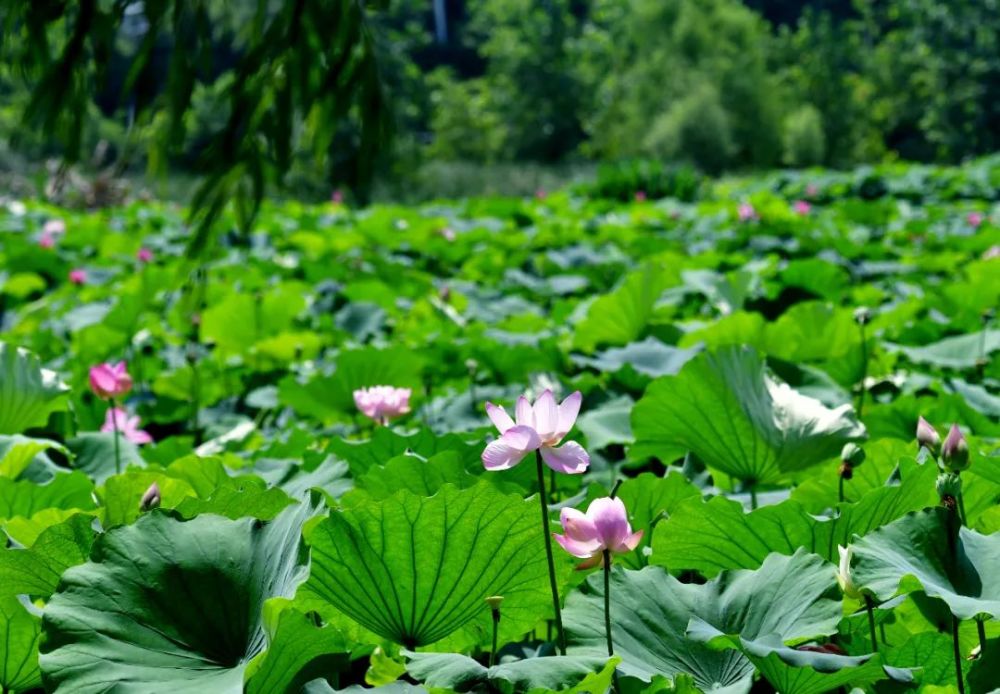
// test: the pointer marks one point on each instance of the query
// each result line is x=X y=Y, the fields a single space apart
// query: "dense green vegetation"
x=239 y=507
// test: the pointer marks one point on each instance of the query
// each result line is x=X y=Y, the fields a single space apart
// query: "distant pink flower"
x=541 y=427
x=337 y=197
x=640 y=196
x=110 y=380
x=127 y=426
x=992 y=252
x=604 y=526
x=447 y=233
x=54 y=227
x=144 y=255
x=540 y=194
x=746 y=212
x=78 y=276
x=46 y=241
x=975 y=218
x=811 y=190
x=801 y=207
x=382 y=402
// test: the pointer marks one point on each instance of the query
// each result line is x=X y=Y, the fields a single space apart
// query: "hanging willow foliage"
x=304 y=77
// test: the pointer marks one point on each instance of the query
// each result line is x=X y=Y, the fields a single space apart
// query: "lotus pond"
x=571 y=443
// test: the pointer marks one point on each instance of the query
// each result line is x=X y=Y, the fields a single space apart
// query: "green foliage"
x=804 y=142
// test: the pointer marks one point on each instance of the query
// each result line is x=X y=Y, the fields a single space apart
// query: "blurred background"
x=414 y=99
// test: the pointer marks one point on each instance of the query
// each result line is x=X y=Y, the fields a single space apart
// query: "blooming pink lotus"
x=992 y=252
x=337 y=197
x=382 y=402
x=603 y=527
x=110 y=380
x=539 y=427
x=46 y=241
x=746 y=212
x=127 y=426
x=144 y=255
x=640 y=196
x=801 y=207
x=540 y=194
x=54 y=227
x=78 y=276
x=975 y=218
x=447 y=233
x=811 y=190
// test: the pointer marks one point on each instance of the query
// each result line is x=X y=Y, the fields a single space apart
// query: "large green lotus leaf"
x=818 y=276
x=122 y=494
x=726 y=409
x=416 y=474
x=36 y=570
x=170 y=606
x=923 y=552
x=719 y=534
x=460 y=673
x=417 y=569
x=958 y=352
x=20 y=633
x=795 y=598
x=817 y=333
x=17 y=452
x=298 y=651
x=622 y=315
x=649 y=357
x=94 y=454
x=794 y=671
x=28 y=393
x=386 y=444
x=64 y=491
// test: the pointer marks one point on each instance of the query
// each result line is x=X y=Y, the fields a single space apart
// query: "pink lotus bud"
x=46 y=241
x=540 y=194
x=640 y=196
x=746 y=212
x=151 y=499
x=127 y=426
x=337 y=197
x=110 y=380
x=603 y=527
x=955 y=451
x=801 y=207
x=382 y=402
x=54 y=227
x=144 y=255
x=975 y=218
x=811 y=190
x=927 y=436
x=78 y=276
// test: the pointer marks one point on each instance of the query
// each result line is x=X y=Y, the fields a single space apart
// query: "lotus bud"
x=955 y=451
x=151 y=499
x=949 y=488
x=844 y=575
x=928 y=437
x=862 y=315
x=851 y=456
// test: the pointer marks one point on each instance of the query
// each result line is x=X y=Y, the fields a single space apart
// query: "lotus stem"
x=958 y=655
x=614 y=489
x=870 y=607
x=117 y=434
x=753 y=496
x=960 y=498
x=864 y=369
x=560 y=635
x=495 y=611
x=981 y=629
x=840 y=489
x=607 y=601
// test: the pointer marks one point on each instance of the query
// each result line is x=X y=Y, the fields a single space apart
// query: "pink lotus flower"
x=955 y=451
x=447 y=233
x=144 y=255
x=337 y=197
x=975 y=218
x=746 y=212
x=110 y=380
x=540 y=194
x=78 y=276
x=640 y=196
x=541 y=427
x=801 y=207
x=991 y=253
x=811 y=190
x=382 y=402
x=54 y=227
x=127 y=426
x=927 y=436
x=46 y=241
x=604 y=526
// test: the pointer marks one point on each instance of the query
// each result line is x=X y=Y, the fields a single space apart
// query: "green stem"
x=960 y=498
x=871 y=622
x=753 y=496
x=114 y=424
x=607 y=601
x=840 y=489
x=958 y=655
x=864 y=370
x=560 y=636
x=552 y=487
x=981 y=628
x=496 y=629
x=614 y=489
